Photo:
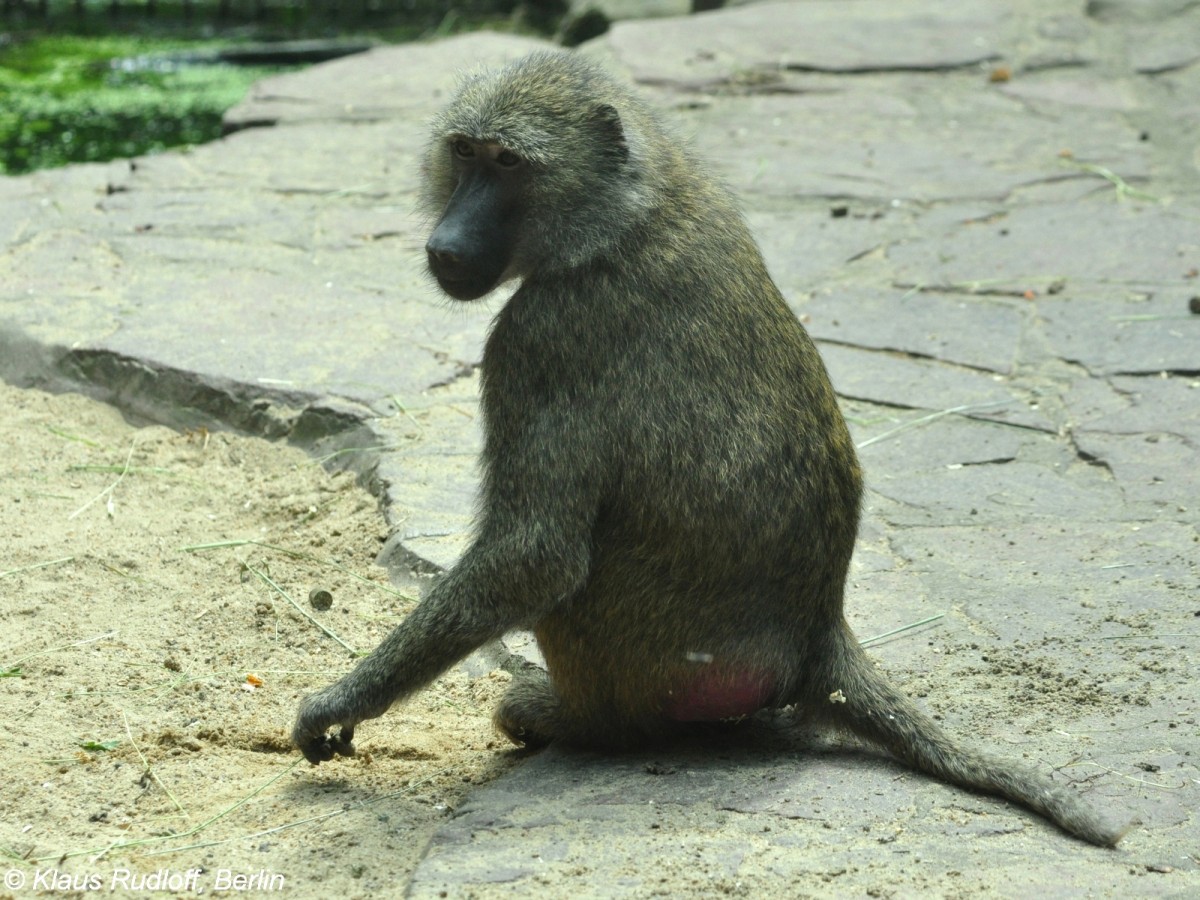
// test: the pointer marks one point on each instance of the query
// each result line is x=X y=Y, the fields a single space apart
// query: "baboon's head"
x=540 y=166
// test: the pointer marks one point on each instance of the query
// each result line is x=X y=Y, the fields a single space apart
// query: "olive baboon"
x=670 y=494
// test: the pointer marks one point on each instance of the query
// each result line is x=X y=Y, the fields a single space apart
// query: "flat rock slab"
x=884 y=139
x=998 y=273
x=761 y=813
x=978 y=332
x=384 y=84
x=819 y=35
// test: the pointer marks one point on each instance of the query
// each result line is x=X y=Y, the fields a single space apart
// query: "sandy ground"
x=150 y=678
x=149 y=687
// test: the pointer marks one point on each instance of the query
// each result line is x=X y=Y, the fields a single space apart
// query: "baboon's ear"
x=611 y=130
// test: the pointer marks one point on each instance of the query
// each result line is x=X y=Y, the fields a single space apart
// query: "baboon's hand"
x=318 y=713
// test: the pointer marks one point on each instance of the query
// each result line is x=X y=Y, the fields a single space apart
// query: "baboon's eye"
x=507 y=158
x=462 y=149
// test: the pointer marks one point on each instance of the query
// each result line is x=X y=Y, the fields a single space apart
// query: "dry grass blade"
x=42 y=565
x=148 y=770
x=107 y=492
x=73 y=644
x=266 y=579
x=341 y=811
x=969 y=407
x=297 y=554
x=196 y=829
x=1123 y=188
x=902 y=628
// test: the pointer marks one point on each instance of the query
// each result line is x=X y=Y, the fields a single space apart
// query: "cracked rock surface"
x=987 y=214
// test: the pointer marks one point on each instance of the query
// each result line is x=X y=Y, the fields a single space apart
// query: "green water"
x=61 y=101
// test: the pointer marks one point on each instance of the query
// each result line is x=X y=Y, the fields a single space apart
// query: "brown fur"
x=670 y=495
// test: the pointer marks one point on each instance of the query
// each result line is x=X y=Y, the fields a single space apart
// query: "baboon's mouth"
x=463 y=288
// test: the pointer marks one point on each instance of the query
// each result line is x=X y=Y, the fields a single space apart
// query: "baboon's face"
x=471 y=248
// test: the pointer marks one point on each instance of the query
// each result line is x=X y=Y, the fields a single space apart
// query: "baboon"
x=670 y=495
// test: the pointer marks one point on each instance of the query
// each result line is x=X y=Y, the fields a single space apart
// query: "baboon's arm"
x=531 y=552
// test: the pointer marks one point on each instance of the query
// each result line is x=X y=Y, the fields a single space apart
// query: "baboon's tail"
x=863 y=701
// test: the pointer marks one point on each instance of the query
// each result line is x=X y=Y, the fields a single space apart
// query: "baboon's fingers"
x=317 y=751
x=325 y=747
x=309 y=733
x=343 y=744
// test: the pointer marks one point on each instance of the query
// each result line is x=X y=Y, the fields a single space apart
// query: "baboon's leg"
x=530 y=715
